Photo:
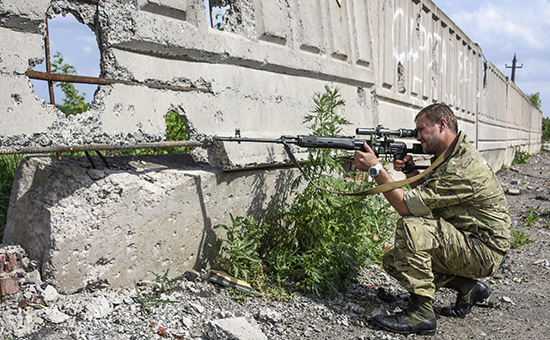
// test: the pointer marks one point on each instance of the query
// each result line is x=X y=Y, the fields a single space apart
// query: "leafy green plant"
x=147 y=300
x=545 y=129
x=238 y=251
x=532 y=217
x=521 y=157
x=535 y=99
x=519 y=238
x=175 y=131
x=164 y=282
x=320 y=240
x=74 y=102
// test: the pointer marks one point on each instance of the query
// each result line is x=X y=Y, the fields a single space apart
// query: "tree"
x=73 y=103
x=535 y=99
x=546 y=129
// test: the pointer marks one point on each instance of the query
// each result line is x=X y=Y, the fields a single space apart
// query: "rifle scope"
x=382 y=131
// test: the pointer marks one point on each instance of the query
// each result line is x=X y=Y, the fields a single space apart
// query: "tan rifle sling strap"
x=381 y=188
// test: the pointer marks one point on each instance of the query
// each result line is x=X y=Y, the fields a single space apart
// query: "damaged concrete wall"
x=258 y=72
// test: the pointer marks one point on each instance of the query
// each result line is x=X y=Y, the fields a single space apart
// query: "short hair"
x=435 y=112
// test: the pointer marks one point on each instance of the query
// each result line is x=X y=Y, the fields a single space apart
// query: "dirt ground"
x=519 y=307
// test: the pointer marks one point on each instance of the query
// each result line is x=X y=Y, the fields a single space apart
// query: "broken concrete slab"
x=146 y=213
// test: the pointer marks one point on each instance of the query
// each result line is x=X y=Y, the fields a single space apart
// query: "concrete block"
x=340 y=26
x=362 y=34
x=22 y=112
x=146 y=214
x=140 y=109
x=24 y=50
x=24 y=15
x=236 y=102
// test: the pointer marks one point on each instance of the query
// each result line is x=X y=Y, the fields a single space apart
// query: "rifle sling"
x=381 y=188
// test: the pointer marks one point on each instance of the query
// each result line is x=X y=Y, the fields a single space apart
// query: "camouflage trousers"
x=428 y=253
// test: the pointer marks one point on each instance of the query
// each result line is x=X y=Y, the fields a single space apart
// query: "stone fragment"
x=98 y=308
x=235 y=328
x=53 y=315
x=269 y=315
x=507 y=300
x=10 y=262
x=187 y=322
x=33 y=277
x=50 y=295
x=197 y=307
x=162 y=331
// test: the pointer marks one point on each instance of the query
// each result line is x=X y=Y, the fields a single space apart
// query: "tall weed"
x=8 y=164
x=320 y=241
x=521 y=157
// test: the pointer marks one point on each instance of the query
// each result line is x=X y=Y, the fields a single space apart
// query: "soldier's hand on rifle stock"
x=399 y=164
x=364 y=160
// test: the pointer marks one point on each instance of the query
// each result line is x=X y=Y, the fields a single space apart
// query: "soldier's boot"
x=470 y=292
x=418 y=318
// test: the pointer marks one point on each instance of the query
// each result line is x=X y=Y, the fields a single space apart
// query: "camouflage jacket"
x=465 y=192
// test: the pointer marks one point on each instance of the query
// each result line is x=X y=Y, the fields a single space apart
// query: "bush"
x=521 y=157
x=320 y=241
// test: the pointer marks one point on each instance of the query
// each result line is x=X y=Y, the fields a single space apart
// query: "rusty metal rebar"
x=93 y=2
x=48 y=63
x=97 y=147
x=69 y=78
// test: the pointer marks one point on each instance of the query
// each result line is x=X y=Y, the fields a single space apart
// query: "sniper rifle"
x=380 y=141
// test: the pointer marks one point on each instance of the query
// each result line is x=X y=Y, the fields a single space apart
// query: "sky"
x=503 y=28
x=506 y=27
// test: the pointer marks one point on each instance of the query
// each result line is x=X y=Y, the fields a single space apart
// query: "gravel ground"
x=517 y=309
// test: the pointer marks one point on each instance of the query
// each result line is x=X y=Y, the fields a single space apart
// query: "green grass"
x=8 y=165
x=520 y=238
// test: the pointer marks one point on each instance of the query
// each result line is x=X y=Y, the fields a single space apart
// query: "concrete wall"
x=388 y=58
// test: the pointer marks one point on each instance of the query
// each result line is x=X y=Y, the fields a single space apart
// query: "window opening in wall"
x=73 y=50
x=176 y=133
x=217 y=9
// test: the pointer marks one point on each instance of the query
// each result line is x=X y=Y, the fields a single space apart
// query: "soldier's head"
x=436 y=128
x=435 y=112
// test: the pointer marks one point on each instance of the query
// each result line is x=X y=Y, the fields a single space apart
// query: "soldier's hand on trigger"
x=365 y=159
x=399 y=164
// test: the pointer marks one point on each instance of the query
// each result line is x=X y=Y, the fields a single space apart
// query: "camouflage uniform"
x=468 y=230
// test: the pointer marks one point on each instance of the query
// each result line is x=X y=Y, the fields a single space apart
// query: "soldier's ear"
x=442 y=124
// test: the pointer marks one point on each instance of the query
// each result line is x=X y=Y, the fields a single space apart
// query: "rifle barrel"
x=255 y=140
